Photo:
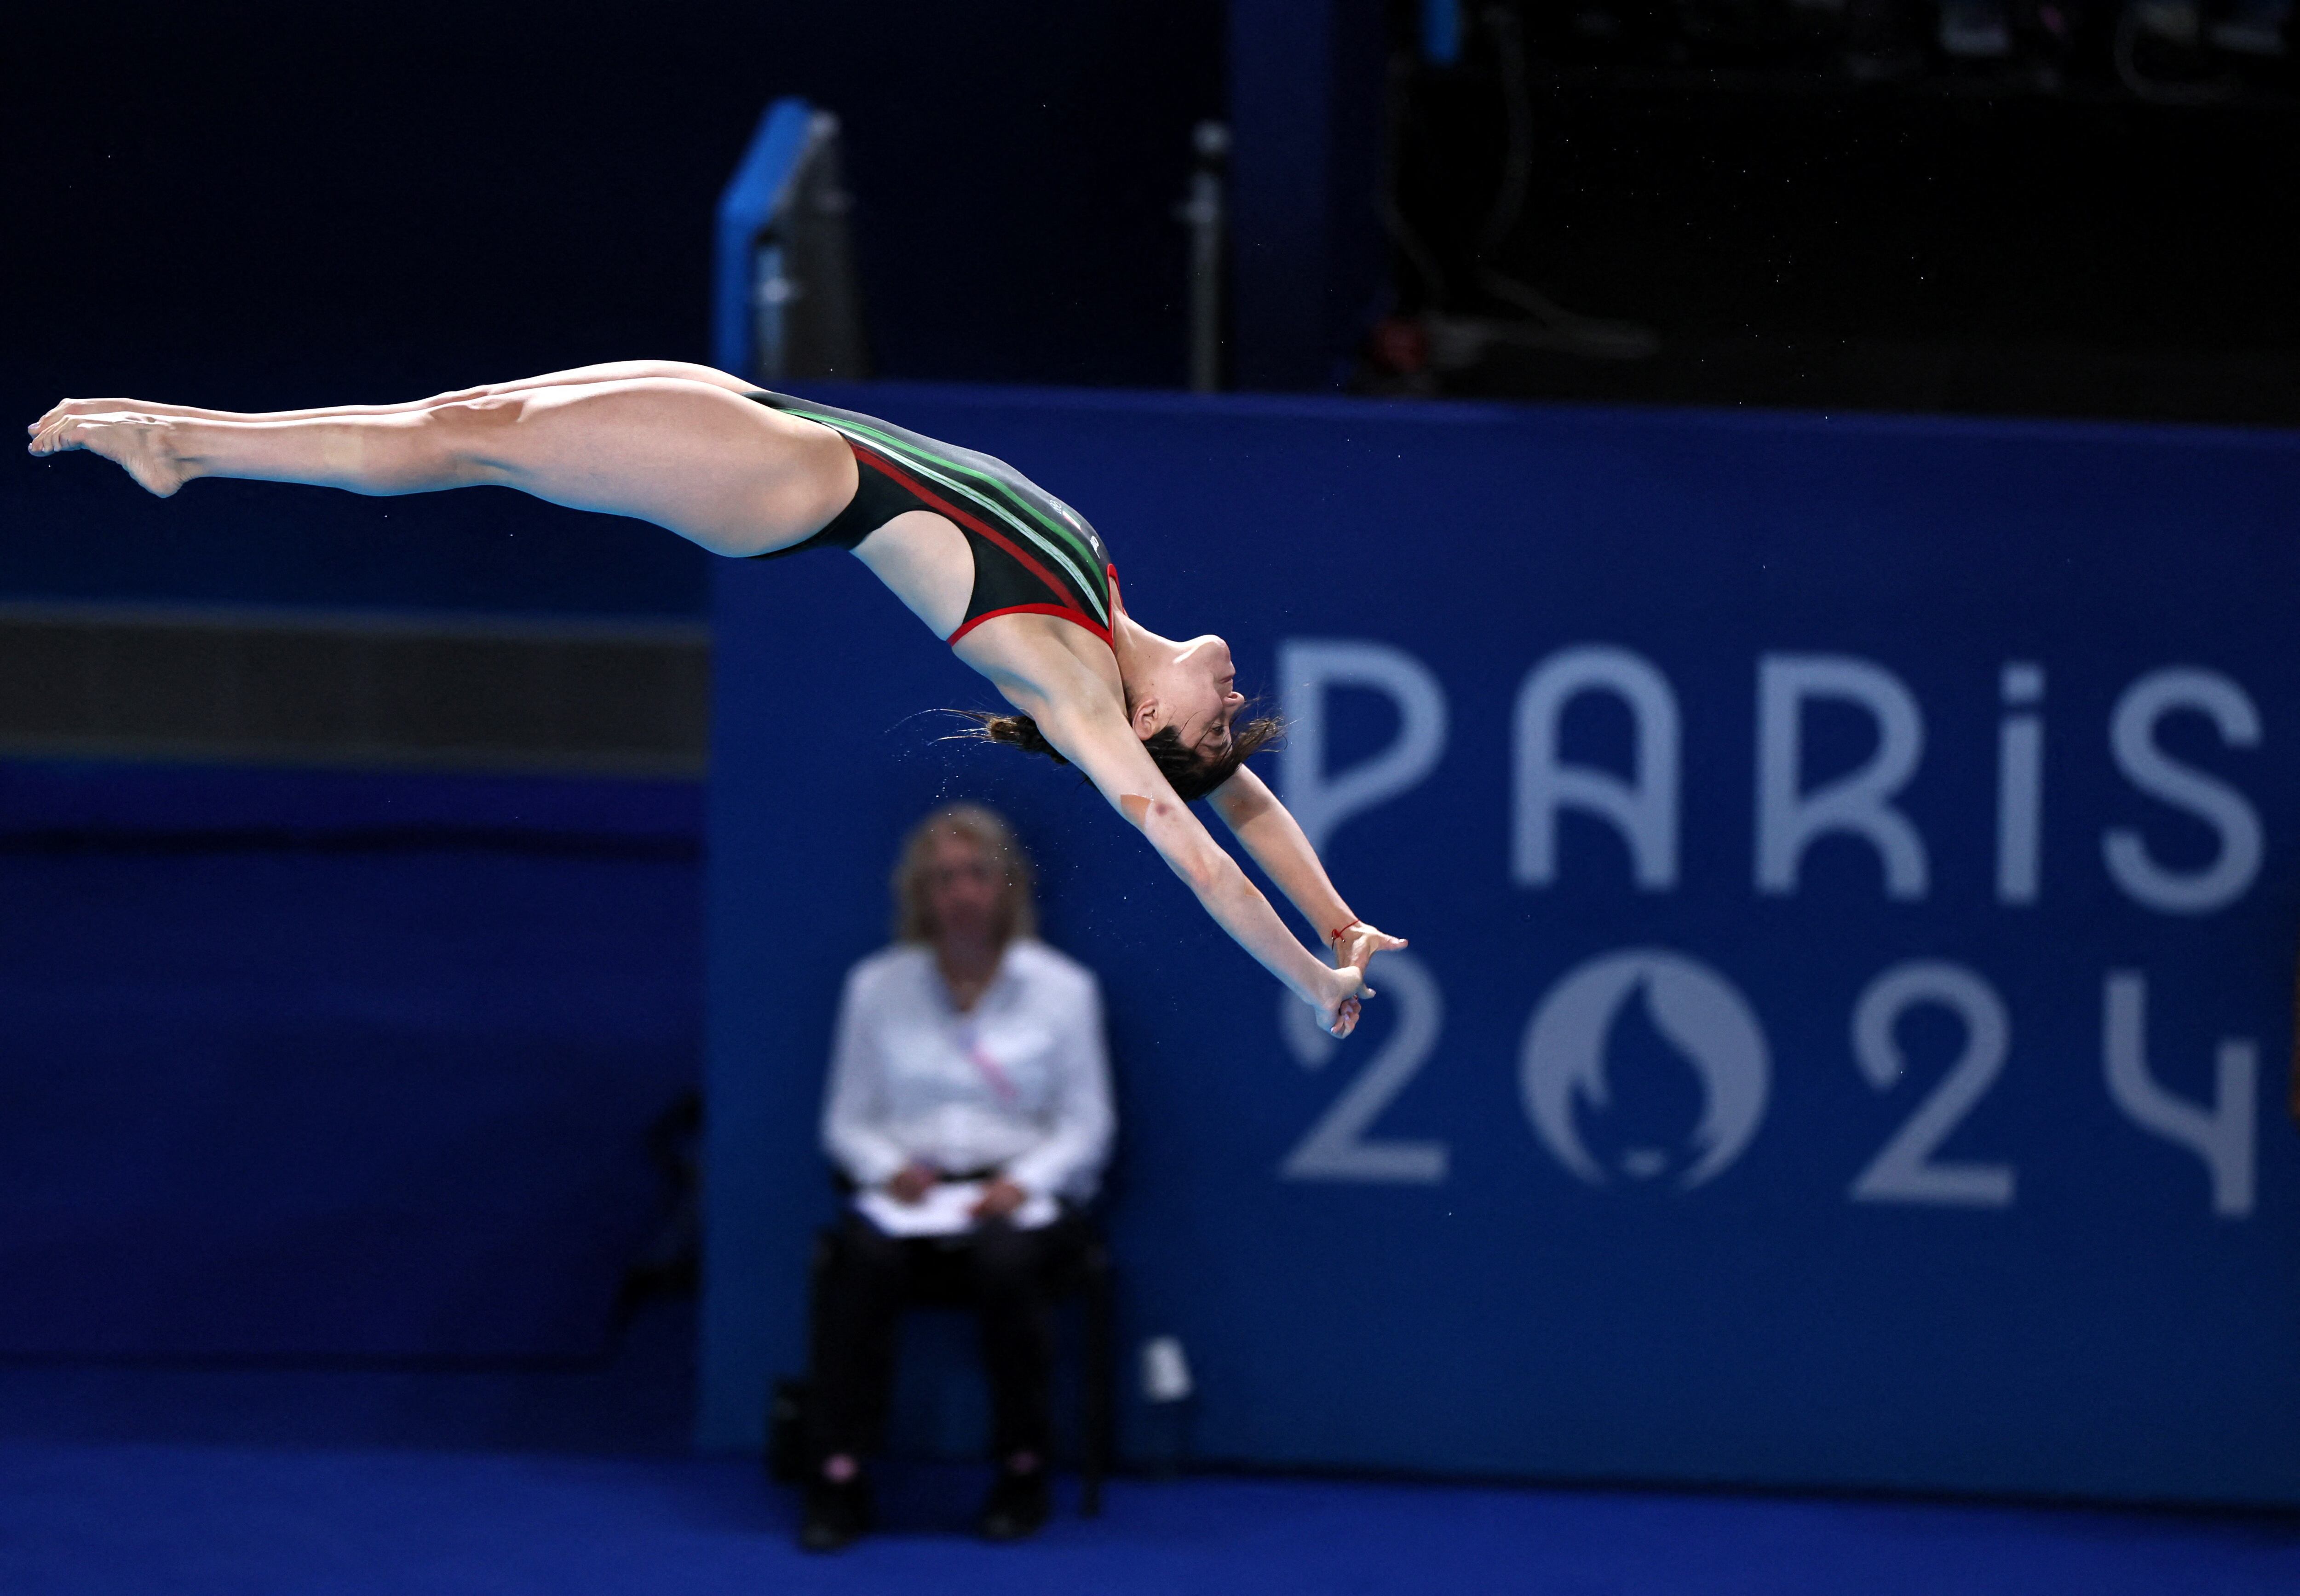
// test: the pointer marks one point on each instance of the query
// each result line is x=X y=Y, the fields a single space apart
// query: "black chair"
x=1087 y=1281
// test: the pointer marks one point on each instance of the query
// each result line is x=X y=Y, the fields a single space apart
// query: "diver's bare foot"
x=139 y=444
x=64 y=410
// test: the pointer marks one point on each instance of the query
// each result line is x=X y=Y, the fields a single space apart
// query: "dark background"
x=252 y=205
x=1796 y=236
x=261 y=204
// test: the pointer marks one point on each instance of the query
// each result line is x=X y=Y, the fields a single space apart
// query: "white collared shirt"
x=1021 y=1083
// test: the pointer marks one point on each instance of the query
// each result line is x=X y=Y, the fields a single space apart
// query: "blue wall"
x=1737 y=1286
x=328 y=1064
x=1794 y=1162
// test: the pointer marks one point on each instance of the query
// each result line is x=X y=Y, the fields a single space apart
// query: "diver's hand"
x=1339 y=995
x=1357 y=943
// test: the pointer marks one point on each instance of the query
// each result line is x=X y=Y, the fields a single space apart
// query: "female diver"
x=1017 y=582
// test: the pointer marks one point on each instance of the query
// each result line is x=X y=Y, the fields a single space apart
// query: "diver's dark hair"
x=1190 y=775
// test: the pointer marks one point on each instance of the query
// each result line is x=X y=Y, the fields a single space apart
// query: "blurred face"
x=1198 y=697
x=962 y=889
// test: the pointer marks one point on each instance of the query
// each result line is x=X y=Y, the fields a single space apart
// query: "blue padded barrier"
x=1850 y=869
x=325 y=1065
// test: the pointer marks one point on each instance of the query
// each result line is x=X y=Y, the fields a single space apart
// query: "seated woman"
x=968 y=1103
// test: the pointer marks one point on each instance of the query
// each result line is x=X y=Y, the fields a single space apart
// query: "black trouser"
x=868 y=1278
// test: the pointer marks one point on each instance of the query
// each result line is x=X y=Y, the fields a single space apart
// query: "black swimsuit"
x=1033 y=554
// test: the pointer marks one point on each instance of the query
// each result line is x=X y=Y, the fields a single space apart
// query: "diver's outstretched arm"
x=580 y=376
x=694 y=457
x=1105 y=748
x=1270 y=833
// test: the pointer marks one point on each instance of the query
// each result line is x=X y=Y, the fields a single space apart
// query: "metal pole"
x=1205 y=213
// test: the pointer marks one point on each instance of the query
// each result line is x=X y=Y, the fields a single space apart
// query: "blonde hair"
x=986 y=828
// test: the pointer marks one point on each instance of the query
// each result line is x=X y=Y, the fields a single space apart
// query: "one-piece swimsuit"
x=1033 y=554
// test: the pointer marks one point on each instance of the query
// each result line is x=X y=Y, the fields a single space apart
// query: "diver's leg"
x=609 y=371
x=734 y=476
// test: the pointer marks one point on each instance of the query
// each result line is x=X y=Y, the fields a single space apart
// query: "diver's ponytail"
x=1016 y=731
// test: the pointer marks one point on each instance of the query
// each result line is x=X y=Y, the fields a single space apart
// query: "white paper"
x=945 y=1210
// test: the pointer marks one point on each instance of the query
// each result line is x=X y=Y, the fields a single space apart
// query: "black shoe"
x=837 y=1513
x=1017 y=1507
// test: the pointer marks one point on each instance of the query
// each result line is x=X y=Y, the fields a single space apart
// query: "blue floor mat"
x=96 y=1519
